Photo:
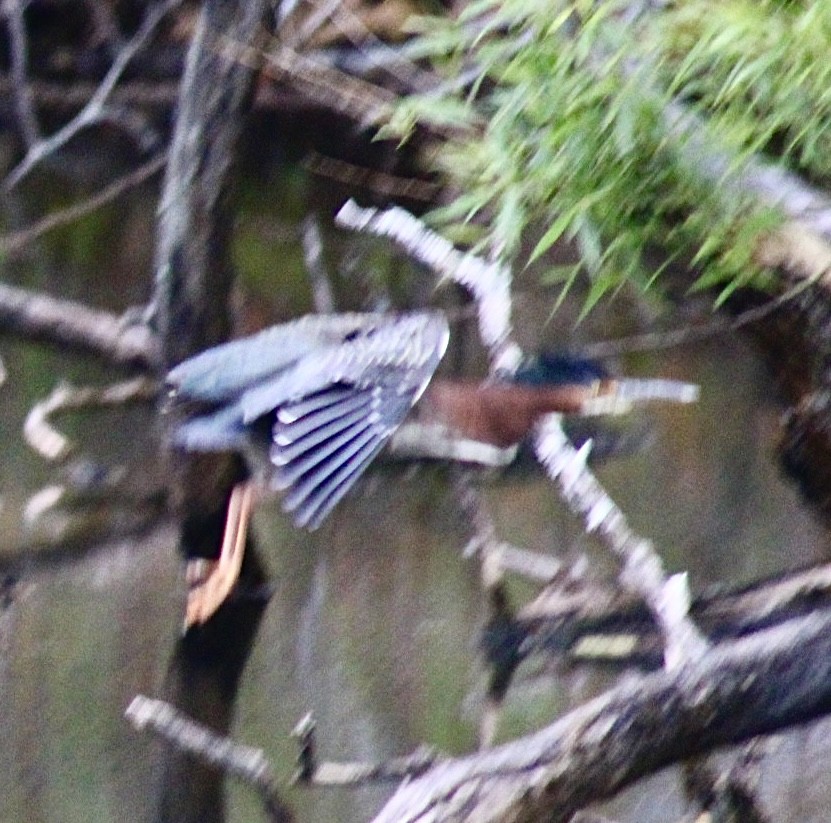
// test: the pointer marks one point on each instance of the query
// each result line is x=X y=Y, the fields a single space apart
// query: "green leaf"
x=552 y=235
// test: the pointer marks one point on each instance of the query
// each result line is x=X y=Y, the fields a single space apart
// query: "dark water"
x=374 y=619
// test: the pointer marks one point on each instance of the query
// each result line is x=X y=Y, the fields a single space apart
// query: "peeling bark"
x=774 y=679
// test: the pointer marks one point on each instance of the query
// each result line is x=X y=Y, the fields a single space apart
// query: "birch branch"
x=641 y=568
x=244 y=762
x=489 y=283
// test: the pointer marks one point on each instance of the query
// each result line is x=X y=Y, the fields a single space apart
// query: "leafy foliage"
x=566 y=136
x=760 y=69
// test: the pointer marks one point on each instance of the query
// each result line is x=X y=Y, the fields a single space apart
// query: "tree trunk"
x=193 y=281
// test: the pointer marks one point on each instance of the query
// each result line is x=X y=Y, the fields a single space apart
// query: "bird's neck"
x=501 y=414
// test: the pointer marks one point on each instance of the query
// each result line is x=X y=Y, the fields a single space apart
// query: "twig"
x=56 y=95
x=47 y=441
x=243 y=762
x=641 y=567
x=380 y=182
x=36 y=316
x=13 y=242
x=324 y=301
x=422 y=441
x=353 y=774
x=669 y=338
x=95 y=108
x=498 y=556
x=489 y=283
x=18 y=46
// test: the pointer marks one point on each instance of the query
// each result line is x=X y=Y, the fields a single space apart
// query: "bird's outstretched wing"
x=224 y=372
x=334 y=394
x=335 y=417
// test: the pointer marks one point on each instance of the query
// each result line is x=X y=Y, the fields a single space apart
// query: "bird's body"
x=312 y=402
x=326 y=392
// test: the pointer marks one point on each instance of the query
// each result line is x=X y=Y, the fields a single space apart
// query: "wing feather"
x=223 y=372
x=291 y=426
x=311 y=507
x=332 y=388
x=287 y=474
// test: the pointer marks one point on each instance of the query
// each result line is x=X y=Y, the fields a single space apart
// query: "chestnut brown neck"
x=501 y=414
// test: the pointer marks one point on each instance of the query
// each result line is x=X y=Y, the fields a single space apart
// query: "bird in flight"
x=311 y=403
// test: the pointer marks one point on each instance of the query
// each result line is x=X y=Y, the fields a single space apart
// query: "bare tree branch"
x=24 y=104
x=489 y=283
x=771 y=680
x=15 y=241
x=244 y=762
x=68 y=323
x=641 y=567
x=380 y=182
x=95 y=109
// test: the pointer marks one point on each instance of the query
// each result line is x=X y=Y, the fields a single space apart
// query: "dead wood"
x=773 y=679
x=194 y=276
x=38 y=316
x=583 y=621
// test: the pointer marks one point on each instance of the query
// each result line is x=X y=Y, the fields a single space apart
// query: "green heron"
x=310 y=403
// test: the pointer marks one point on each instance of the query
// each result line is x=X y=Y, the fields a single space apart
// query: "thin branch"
x=498 y=556
x=504 y=556
x=244 y=762
x=51 y=444
x=94 y=110
x=37 y=316
x=685 y=335
x=18 y=45
x=361 y=177
x=322 y=297
x=329 y=774
x=57 y=96
x=311 y=23
x=15 y=241
x=641 y=567
x=489 y=283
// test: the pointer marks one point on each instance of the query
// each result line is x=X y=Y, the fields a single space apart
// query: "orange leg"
x=211 y=581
